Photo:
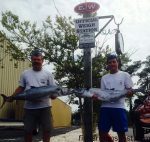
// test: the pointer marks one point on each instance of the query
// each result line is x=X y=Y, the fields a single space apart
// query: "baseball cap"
x=111 y=56
x=36 y=52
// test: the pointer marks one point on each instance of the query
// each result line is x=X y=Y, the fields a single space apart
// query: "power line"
x=56 y=8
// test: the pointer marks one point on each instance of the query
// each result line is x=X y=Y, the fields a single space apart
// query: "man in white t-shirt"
x=113 y=114
x=36 y=111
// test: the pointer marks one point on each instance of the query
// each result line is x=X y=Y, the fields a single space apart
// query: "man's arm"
x=129 y=93
x=18 y=90
x=129 y=85
x=52 y=82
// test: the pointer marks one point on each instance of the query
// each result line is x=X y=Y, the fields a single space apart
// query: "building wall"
x=9 y=76
x=61 y=113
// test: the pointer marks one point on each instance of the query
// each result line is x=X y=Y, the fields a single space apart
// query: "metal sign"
x=86 y=8
x=86 y=25
x=87 y=40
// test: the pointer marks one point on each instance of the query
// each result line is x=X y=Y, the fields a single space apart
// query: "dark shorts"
x=34 y=117
x=115 y=118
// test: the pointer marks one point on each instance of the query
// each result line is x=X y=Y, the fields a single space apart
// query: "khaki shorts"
x=38 y=117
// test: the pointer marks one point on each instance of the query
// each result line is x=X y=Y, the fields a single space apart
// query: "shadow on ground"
x=12 y=134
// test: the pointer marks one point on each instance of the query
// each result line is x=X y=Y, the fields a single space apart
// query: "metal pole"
x=104 y=17
x=88 y=103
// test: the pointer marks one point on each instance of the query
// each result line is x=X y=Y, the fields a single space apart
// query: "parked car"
x=141 y=118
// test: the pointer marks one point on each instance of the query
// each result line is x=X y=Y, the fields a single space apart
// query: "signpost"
x=85 y=28
x=86 y=25
x=87 y=40
x=86 y=8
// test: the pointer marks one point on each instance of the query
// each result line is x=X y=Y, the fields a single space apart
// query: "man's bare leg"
x=46 y=136
x=105 y=137
x=122 y=137
x=28 y=137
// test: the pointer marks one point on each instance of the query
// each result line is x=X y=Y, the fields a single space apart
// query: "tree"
x=57 y=40
x=132 y=70
x=144 y=74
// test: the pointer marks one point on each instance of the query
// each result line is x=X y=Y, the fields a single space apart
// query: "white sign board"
x=87 y=40
x=86 y=25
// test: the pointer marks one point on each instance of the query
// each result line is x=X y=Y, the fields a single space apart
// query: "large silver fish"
x=108 y=95
x=105 y=95
x=35 y=93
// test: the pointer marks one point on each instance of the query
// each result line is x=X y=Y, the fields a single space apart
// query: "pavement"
x=13 y=132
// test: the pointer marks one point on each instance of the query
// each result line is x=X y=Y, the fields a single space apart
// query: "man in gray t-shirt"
x=36 y=111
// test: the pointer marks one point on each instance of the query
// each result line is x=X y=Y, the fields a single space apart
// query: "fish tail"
x=4 y=100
